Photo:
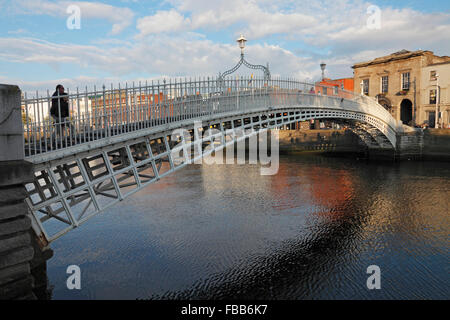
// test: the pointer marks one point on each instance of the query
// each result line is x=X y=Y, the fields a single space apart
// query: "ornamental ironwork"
x=241 y=41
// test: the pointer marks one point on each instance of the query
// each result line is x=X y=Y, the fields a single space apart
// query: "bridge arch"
x=125 y=142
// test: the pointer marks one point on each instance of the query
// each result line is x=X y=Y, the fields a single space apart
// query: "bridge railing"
x=106 y=112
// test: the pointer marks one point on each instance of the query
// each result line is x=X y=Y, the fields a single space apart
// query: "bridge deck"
x=108 y=113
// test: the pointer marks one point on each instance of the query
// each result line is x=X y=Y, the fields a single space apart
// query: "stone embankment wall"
x=333 y=141
x=431 y=144
x=436 y=144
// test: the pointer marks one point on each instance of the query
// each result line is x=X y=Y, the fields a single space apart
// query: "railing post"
x=127 y=109
x=105 y=125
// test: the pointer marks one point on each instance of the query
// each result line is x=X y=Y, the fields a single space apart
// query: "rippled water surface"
x=309 y=232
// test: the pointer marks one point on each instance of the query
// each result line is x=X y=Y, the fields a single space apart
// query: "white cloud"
x=120 y=18
x=221 y=14
x=162 y=21
x=69 y=83
x=175 y=42
x=403 y=28
x=340 y=25
x=23 y=50
x=168 y=55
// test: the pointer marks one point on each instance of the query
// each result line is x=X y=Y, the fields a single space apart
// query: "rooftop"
x=399 y=55
x=439 y=63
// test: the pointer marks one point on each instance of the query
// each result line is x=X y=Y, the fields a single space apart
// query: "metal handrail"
x=104 y=113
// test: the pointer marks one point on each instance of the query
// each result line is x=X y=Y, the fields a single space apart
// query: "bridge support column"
x=16 y=249
x=17 y=239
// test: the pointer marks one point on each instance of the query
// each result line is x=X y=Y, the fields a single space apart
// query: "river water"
x=309 y=232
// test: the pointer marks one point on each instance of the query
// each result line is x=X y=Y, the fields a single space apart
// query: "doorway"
x=431 y=119
x=406 y=112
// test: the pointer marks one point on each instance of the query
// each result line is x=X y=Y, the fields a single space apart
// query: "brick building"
x=345 y=84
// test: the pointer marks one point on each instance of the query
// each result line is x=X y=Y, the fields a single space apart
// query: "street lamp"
x=323 y=66
x=436 y=118
x=362 y=87
x=241 y=42
x=415 y=103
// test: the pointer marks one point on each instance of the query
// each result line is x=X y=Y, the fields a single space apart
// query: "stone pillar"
x=16 y=249
x=16 y=235
x=11 y=128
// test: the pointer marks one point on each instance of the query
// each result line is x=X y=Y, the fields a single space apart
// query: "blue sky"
x=126 y=40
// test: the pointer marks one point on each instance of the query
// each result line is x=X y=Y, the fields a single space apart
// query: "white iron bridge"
x=117 y=141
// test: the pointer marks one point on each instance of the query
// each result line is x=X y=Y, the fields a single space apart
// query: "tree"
x=24 y=118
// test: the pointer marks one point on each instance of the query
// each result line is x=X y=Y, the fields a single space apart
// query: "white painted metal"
x=110 y=113
x=122 y=144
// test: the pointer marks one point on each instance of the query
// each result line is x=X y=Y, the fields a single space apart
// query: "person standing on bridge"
x=60 y=110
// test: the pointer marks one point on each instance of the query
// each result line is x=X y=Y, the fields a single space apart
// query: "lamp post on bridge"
x=323 y=66
x=241 y=42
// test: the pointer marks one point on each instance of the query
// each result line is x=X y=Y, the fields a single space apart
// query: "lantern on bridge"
x=241 y=42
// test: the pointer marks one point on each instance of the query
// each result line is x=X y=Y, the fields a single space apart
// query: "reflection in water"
x=42 y=289
x=309 y=232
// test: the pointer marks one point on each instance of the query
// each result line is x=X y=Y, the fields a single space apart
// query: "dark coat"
x=63 y=106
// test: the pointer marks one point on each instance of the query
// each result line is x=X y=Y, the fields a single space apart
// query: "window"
x=433 y=96
x=433 y=75
x=324 y=91
x=405 y=81
x=384 y=84
x=366 y=86
x=336 y=90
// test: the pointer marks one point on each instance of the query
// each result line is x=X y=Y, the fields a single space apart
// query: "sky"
x=121 y=41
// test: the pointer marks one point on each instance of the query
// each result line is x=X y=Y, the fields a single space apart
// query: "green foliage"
x=24 y=118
